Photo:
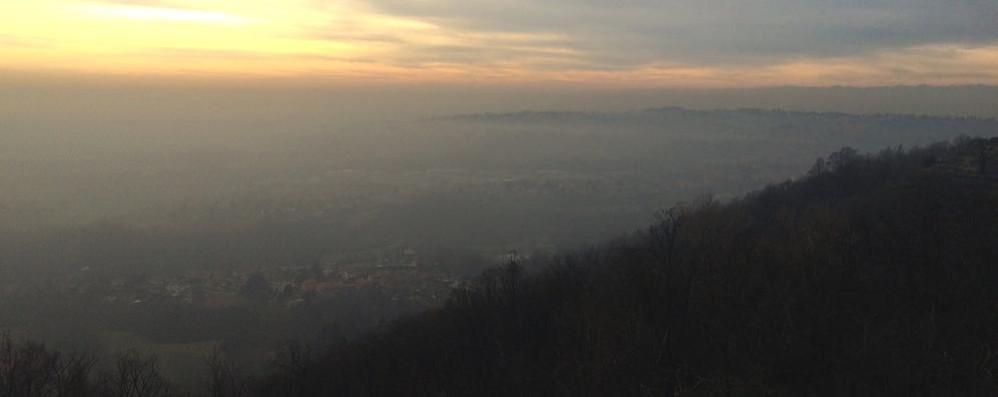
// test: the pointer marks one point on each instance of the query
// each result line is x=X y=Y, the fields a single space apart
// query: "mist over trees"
x=173 y=199
x=870 y=275
x=490 y=198
x=177 y=245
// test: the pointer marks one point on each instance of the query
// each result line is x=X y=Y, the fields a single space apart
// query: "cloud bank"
x=627 y=33
x=665 y=42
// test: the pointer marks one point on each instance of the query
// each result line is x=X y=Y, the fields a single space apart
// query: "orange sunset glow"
x=364 y=41
x=498 y=198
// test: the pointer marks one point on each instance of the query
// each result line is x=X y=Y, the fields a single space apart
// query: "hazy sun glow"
x=355 y=40
x=162 y=14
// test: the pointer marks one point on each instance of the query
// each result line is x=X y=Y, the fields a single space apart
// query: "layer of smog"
x=180 y=222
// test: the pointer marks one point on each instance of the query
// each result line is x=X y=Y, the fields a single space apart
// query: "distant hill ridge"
x=540 y=115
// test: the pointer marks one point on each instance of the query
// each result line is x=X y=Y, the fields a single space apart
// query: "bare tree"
x=292 y=365
x=73 y=375
x=226 y=380
x=983 y=155
x=30 y=370
x=136 y=376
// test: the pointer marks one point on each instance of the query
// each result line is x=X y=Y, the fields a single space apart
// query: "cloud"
x=640 y=42
x=628 y=33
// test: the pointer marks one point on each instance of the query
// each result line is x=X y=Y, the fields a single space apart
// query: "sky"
x=630 y=43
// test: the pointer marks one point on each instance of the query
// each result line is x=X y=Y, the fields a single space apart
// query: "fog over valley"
x=177 y=220
x=350 y=163
x=310 y=198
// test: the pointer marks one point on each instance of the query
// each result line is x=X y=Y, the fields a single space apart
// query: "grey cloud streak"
x=626 y=33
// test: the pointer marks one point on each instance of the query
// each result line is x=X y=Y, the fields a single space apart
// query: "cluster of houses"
x=393 y=271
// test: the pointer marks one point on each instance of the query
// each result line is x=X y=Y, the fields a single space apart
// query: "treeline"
x=873 y=275
x=31 y=370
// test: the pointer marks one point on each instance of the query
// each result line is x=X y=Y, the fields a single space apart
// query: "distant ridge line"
x=550 y=115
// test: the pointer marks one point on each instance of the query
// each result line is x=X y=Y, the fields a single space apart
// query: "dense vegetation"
x=872 y=275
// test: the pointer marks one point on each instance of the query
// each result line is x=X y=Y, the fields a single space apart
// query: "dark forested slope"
x=872 y=275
